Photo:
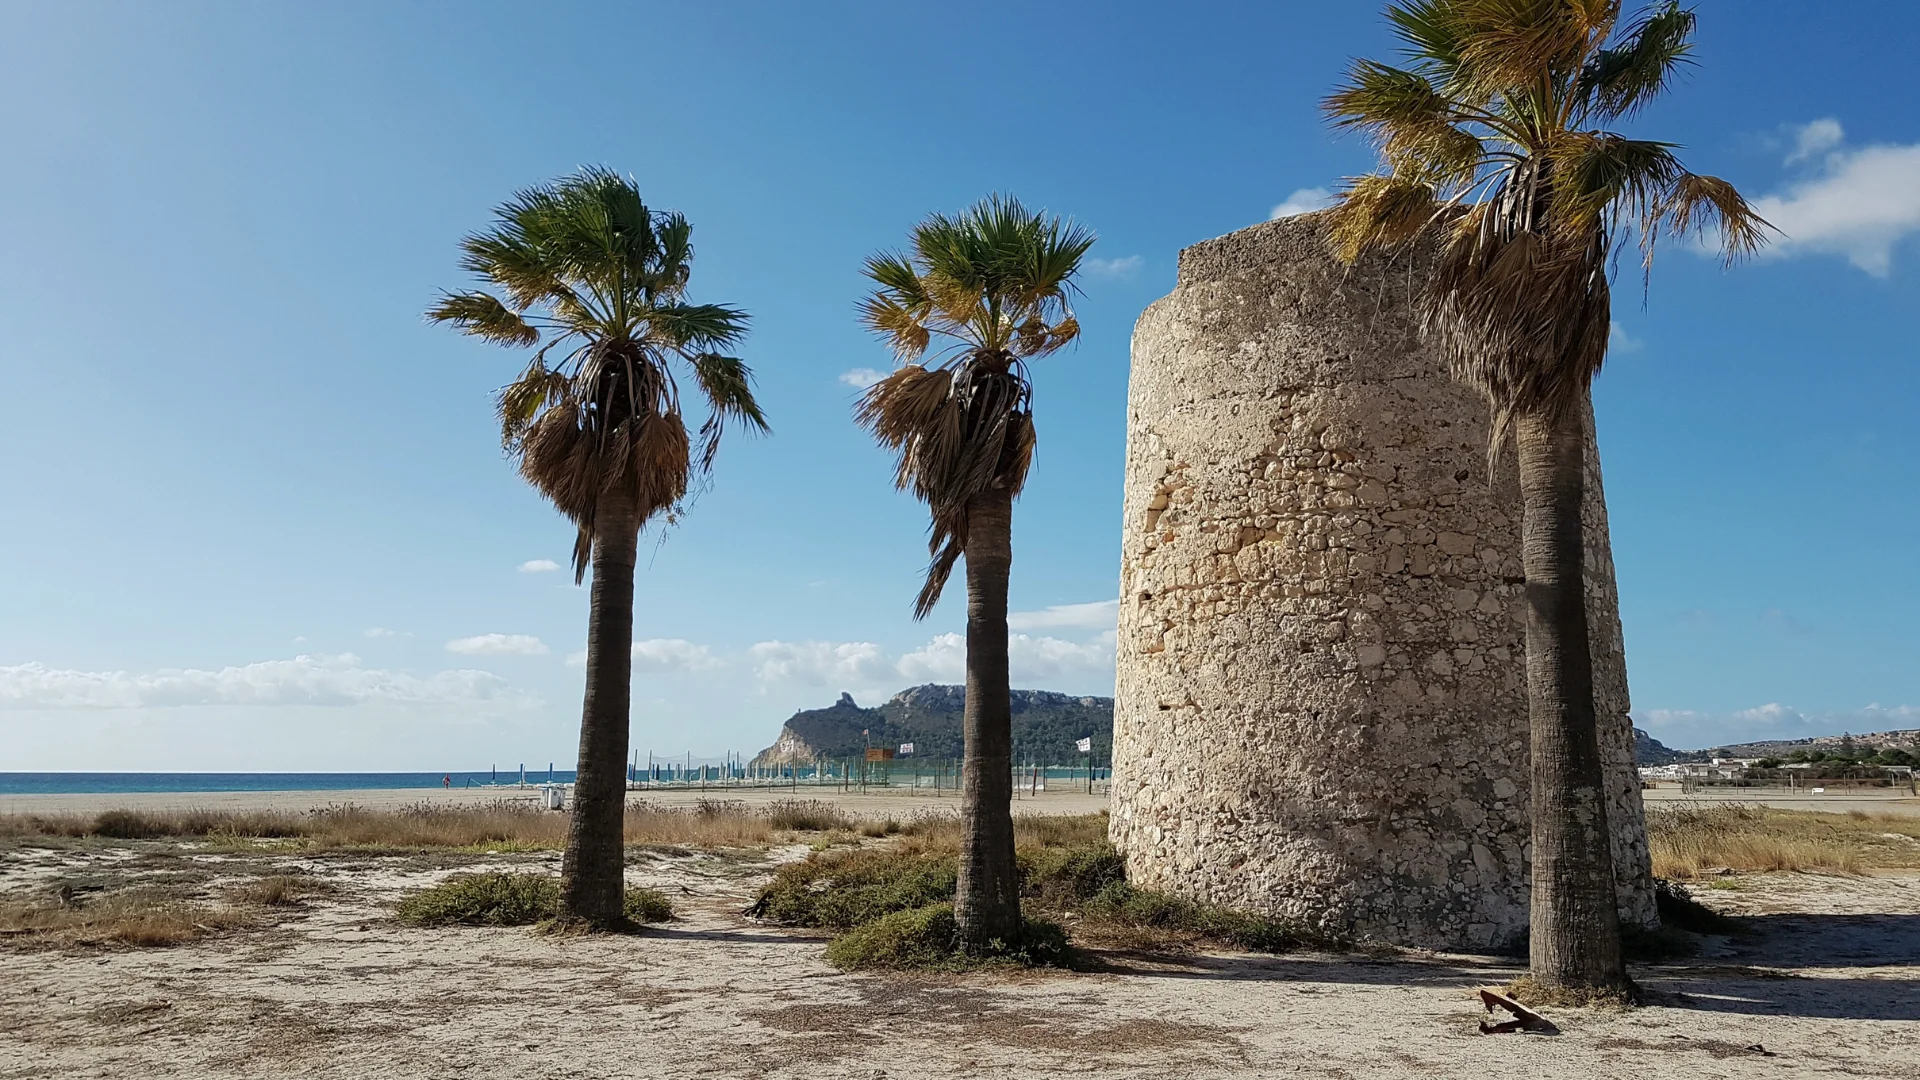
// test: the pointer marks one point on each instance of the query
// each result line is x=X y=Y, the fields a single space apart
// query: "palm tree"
x=1494 y=140
x=585 y=266
x=992 y=285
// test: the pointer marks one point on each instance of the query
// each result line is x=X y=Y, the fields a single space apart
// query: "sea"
x=113 y=783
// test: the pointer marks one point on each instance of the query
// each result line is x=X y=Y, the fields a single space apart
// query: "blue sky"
x=256 y=515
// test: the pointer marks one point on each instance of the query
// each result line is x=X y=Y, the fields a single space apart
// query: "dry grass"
x=141 y=916
x=807 y=815
x=1029 y=831
x=499 y=826
x=281 y=890
x=1690 y=842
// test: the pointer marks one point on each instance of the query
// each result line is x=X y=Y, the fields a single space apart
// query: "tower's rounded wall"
x=1320 y=711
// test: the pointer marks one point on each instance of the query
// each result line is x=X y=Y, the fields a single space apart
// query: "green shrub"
x=1145 y=909
x=648 y=906
x=846 y=889
x=1065 y=877
x=498 y=899
x=484 y=900
x=927 y=939
x=840 y=889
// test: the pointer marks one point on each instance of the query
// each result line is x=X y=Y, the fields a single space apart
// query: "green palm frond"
x=994 y=281
x=1622 y=79
x=696 y=326
x=586 y=262
x=1492 y=117
x=484 y=316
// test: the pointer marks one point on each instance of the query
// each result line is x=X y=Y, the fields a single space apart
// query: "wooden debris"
x=1524 y=1019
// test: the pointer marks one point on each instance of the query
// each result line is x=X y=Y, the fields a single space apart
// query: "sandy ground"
x=876 y=803
x=1828 y=984
x=1902 y=804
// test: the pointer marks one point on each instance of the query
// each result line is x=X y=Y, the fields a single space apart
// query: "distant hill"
x=1648 y=750
x=1907 y=739
x=1045 y=727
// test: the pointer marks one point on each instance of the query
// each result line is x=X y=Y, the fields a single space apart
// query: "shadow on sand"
x=1752 y=975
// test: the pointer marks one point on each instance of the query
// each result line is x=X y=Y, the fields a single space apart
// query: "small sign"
x=879 y=753
x=1085 y=745
x=906 y=749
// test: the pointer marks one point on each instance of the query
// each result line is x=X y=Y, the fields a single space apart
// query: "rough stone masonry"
x=1320 y=710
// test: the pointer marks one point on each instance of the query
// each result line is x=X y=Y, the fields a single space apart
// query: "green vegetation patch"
x=927 y=939
x=888 y=901
x=498 y=899
x=648 y=906
x=484 y=900
x=840 y=889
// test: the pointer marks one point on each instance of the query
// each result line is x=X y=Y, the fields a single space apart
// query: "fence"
x=930 y=776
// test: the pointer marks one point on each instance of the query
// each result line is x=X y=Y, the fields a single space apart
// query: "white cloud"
x=498 y=645
x=1817 y=137
x=820 y=663
x=662 y=654
x=942 y=660
x=539 y=566
x=303 y=680
x=1619 y=341
x=1123 y=267
x=1303 y=201
x=1861 y=203
x=1690 y=729
x=1098 y=615
x=378 y=632
x=862 y=377
x=1041 y=660
x=1034 y=662
x=671 y=654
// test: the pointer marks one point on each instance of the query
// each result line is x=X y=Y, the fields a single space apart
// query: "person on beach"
x=447 y=781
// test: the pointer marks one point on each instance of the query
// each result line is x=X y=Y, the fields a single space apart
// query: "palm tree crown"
x=586 y=265
x=992 y=285
x=1495 y=134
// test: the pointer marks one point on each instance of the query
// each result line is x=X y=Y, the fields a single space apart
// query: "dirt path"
x=1830 y=987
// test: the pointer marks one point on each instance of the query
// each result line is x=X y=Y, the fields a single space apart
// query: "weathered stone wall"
x=1321 y=698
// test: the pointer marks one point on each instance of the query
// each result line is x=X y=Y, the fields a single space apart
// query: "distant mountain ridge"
x=1906 y=739
x=1046 y=725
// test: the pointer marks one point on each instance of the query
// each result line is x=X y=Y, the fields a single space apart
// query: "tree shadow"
x=1827 y=940
x=1819 y=997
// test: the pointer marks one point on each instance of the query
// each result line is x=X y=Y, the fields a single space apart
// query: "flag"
x=906 y=749
x=1085 y=745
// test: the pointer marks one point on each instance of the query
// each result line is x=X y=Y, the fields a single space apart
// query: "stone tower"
x=1320 y=710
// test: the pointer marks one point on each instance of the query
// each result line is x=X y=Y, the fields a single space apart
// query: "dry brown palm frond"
x=959 y=431
x=993 y=281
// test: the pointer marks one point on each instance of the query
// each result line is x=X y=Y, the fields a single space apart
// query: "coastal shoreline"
x=875 y=803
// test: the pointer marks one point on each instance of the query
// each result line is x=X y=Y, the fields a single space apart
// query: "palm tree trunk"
x=1575 y=936
x=986 y=901
x=592 y=871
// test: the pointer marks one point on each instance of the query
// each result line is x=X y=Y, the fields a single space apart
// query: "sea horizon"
x=111 y=783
